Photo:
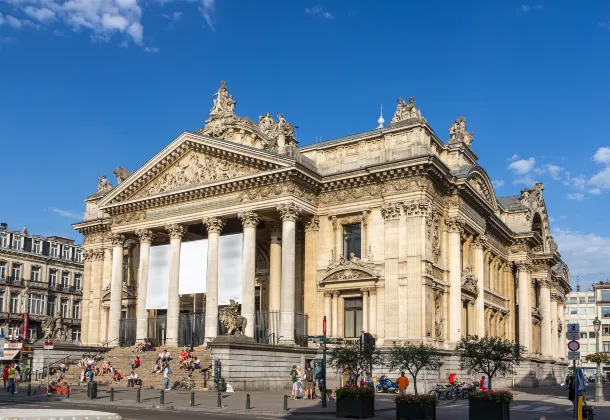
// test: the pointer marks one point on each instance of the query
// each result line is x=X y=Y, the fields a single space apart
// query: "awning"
x=9 y=354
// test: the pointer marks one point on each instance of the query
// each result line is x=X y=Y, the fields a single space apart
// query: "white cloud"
x=2 y=20
x=513 y=158
x=527 y=180
x=553 y=170
x=319 y=12
x=601 y=179
x=174 y=17
x=585 y=253
x=595 y=191
x=498 y=183
x=67 y=213
x=576 y=196
x=602 y=155
x=41 y=15
x=151 y=49
x=523 y=166
x=14 y=22
x=207 y=9
x=529 y=8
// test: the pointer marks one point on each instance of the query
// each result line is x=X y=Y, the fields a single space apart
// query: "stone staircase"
x=121 y=358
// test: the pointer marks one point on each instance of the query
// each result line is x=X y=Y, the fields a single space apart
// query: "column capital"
x=145 y=236
x=249 y=219
x=420 y=207
x=524 y=266
x=454 y=224
x=479 y=241
x=87 y=255
x=368 y=290
x=98 y=254
x=312 y=224
x=544 y=283
x=275 y=230
x=175 y=230
x=213 y=224
x=289 y=211
x=331 y=293
x=117 y=239
x=390 y=211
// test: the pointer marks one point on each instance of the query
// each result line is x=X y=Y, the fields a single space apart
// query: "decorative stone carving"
x=121 y=219
x=248 y=219
x=459 y=134
x=87 y=255
x=175 y=230
x=282 y=189
x=121 y=174
x=54 y=328
x=438 y=314
x=414 y=183
x=390 y=211
x=469 y=281
x=213 y=224
x=479 y=241
x=231 y=320
x=524 y=266
x=312 y=224
x=117 y=239
x=417 y=207
x=536 y=313
x=406 y=111
x=288 y=211
x=145 y=236
x=434 y=271
x=559 y=327
x=350 y=194
x=352 y=269
x=454 y=224
x=98 y=254
x=196 y=169
x=103 y=185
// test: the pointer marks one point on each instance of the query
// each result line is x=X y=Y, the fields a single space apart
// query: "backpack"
x=309 y=376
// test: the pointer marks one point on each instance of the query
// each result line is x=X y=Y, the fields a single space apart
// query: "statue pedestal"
x=232 y=339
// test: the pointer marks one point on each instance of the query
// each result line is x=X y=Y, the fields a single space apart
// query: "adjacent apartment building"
x=602 y=296
x=42 y=277
x=581 y=309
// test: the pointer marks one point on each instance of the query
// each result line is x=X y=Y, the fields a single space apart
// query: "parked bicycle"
x=186 y=384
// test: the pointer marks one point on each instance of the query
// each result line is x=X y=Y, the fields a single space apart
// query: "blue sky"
x=88 y=85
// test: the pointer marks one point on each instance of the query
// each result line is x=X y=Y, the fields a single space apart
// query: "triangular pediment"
x=193 y=161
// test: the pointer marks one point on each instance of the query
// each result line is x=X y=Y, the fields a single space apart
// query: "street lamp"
x=599 y=390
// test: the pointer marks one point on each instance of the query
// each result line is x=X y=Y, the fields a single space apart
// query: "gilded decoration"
x=195 y=169
x=469 y=281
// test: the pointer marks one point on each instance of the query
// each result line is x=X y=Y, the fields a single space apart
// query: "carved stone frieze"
x=434 y=271
x=346 y=275
x=414 y=183
x=121 y=219
x=278 y=190
x=350 y=194
x=213 y=224
x=87 y=255
x=175 y=230
x=249 y=219
x=312 y=224
x=92 y=238
x=390 y=211
x=288 y=211
x=145 y=236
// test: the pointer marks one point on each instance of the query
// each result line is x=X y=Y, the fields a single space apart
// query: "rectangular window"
x=584 y=348
x=17 y=242
x=36 y=304
x=591 y=334
x=16 y=273
x=1 y=300
x=573 y=311
x=76 y=310
x=78 y=255
x=36 y=246
x=583 y=335
x=591 y=299
x=352 y=317
x=35 y=276
x=14 y=303
x=54 y=250
x=65 y=276
x=66 y=253
x=604 y=295
x=573 y=299
x=581 y=310
x=76 y=335
x=77 y=281
x=64 y=308
x=605 y=311
x=2 y=270
x=605 y=329
x=13 y=332
x=606 y=346
x=51 y=306
x=581 y=299
x=32 y=334
x=591 y=310
x=52 y=277
x=3 y=239
x=351 y=241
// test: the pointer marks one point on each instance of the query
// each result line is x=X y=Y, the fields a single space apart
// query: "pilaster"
x=391 y=215
x=454 y=229
x=310 y=295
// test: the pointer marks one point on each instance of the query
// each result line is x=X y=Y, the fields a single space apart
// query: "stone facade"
x=392 y=231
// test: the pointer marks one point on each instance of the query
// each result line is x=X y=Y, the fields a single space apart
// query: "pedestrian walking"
x=5 y=378
x=166 y=374
x=309 y=383
x=403 y=383
x=294 y=375
x=11 y=379
x=17 y=378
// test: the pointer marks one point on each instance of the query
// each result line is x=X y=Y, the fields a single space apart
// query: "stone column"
x=106 y=280
x=214 y=226
x=116 y=289
x=554 y=326
x=289 y=212
x=176 y=232
x=95 y=299
x=335 y=317
x=249 y=220
x=275 y=275
x=545 y=309
x=146 y=237
x=310 y=295
x=298 y=271
x=84 y=329
x=479 y=304
x=328 y=297
x=373 y=312
x=454 y=229
x=525 y=310
x=391 y=214
x=365 y=309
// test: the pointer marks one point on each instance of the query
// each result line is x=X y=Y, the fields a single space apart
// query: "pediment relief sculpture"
x=469 y=281
x=345 y=270
x=407 y=111
x=478 y=183
x=195 y=169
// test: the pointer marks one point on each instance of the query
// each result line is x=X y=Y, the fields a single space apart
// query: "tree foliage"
x=349 y=357
x=489 y=355
x=413 y=358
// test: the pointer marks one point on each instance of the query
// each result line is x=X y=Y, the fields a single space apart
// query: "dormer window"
x=3 y=239
x=36 y=246
x=78 y=255
x=66 y=253
x=17 y=242
x=54 y=250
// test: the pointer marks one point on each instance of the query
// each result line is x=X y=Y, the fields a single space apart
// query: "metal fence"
x=192 y=329
x=127 y=332
x=157 y=326
x=267 y=328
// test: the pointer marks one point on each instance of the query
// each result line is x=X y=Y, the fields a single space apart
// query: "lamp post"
x=599 y=387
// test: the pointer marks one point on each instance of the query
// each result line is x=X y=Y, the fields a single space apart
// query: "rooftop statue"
x=406 y=111
x=121 y=174
x=103 y=184
x=223 y=102
x=458 y=132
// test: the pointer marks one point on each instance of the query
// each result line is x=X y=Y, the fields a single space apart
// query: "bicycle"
x=186 y=384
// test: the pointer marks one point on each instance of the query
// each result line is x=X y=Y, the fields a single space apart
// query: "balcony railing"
x=18 y=281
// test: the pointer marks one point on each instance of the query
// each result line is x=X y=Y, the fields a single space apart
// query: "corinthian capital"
x=390 y=211
x=145 y=236
x=479 y=241
x=454 y=224
x=248 y=219
x=213 y=224
x=524 y=266
x=288 y=211
x=98 y=254
x=117 y=239
x=175 y=230
x=417 y=207
x=312 y=224
x=88 y=255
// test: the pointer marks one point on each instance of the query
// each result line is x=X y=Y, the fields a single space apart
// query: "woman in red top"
x=482 y=384
x=5 y=377
x=452 y=378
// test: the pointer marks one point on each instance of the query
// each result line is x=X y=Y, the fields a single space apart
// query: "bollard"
x=247 y=401
x=285 y=402
x=68 y=392
x=162 y=397
x=89 y=390
x=192 y=398
x=138 y=395
x=205 y=379
x=111 y=394
x=29 y=389
x=219 y=402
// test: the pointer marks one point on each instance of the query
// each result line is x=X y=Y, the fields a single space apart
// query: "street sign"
x=573 y=355
x=573 y=331
x=573 y=345
x=48 y=346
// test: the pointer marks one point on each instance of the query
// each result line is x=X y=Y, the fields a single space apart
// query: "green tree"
x=489 y=355
x=413 y=358
x=349 y=357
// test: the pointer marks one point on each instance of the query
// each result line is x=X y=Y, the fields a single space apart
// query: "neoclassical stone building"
x=394 y=231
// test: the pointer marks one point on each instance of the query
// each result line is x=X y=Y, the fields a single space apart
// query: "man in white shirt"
x=132 y=379
x=166 y=374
